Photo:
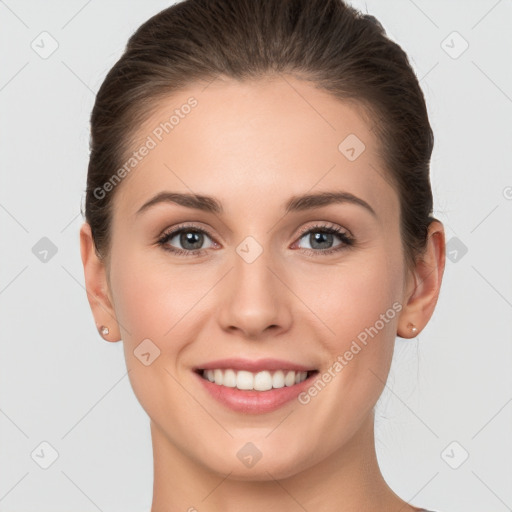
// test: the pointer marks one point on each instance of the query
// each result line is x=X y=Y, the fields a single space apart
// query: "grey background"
x=449 y=391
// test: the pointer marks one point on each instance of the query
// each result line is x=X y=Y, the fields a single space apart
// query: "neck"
x=349 y=479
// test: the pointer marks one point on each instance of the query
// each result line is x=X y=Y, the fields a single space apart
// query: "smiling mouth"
x=255 y=381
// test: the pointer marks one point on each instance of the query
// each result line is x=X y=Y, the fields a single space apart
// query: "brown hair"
x=326 y=42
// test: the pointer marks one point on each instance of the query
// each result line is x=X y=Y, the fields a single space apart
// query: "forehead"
x=253 y=141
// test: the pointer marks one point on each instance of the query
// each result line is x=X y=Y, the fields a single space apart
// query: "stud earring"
x=413 y=328
x=104 y=330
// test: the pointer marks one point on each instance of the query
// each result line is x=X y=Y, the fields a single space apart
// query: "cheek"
x=359 y=306
x=151 y=308
x=150 y=300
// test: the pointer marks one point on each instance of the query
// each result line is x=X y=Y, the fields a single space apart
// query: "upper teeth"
x=260 y=381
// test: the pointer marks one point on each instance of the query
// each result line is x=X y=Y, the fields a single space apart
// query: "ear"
x=424 y=284
x=97 y=286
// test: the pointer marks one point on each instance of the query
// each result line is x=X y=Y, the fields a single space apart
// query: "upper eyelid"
x=303 y=231
x=324 y=225
x=175 y=230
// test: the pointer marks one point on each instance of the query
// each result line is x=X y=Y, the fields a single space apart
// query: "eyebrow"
x=294 y=204
x=196 y=201
x=319 y=199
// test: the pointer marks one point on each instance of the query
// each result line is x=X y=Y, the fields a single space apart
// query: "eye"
x=191 y=238
x=321 y=237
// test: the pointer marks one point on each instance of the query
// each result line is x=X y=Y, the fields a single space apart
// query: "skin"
x=252 y=146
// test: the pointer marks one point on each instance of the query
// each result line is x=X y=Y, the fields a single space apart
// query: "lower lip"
x=254 y=402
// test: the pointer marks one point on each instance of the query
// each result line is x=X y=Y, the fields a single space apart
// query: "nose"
x=255 y=300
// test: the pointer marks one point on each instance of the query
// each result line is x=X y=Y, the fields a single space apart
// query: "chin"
x=248 y=464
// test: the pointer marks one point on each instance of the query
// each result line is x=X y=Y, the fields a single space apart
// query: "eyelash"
x=347 y=240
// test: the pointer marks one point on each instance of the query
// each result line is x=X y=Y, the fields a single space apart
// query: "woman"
x=258 y=231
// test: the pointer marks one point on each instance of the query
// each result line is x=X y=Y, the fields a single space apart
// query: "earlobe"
x=96 y=286
x=421 y=297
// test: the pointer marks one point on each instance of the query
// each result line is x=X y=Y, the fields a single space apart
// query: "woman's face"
x=257 y=282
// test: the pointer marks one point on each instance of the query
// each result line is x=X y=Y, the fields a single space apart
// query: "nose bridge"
x=254 y=299
x=253 y=281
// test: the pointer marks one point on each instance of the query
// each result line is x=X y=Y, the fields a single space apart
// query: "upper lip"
x=254 y=365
